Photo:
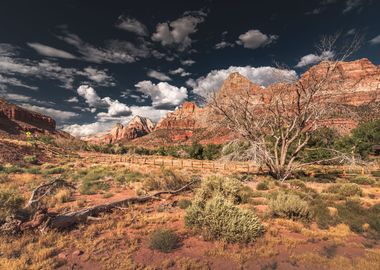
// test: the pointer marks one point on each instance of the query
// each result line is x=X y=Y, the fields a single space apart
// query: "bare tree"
x=280 y=119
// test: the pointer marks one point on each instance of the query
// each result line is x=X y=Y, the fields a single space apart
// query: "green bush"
x=55 y=170
x=183 y=204
x=164 y=240
x=363 y=180
x=11 y=169
x=196 y=151
x=297 y=184
x=264 y=185
x=345 y=190
x=218 y=218
x=231 y=188
x=211 y=151
x=289 y=206
x=10 y=203
x=30 y=159
x=92 y=179
x=167 y=181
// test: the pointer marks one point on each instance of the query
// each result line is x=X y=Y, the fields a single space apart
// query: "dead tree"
x=280 y=119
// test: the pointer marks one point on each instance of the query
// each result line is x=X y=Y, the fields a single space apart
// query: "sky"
x=92 y=64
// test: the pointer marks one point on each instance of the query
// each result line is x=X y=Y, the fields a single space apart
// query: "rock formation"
x=16 y=120
x=137 y=127
x=354 y=85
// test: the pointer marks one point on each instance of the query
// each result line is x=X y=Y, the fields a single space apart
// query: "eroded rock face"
x=137 y=127
x=354 y=84
x=14 y=120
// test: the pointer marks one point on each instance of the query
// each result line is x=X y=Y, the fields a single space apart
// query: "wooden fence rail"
x=247 y=167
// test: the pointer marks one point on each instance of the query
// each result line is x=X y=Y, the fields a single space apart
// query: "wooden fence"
x=229 y=166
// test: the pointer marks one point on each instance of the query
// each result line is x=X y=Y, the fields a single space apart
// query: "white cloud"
x=188 y=62
x=58 y=115
x=115 y=51
x=17 y=98
x=14 y=82
x=263 y=76
x=353 y=4
x=163 y=95
x=312 y=59
x=158 y=75
x=99 y=76
x=254 y=39
x=114 y=107
x=73 y=100
x=132 y=25
x=177 y=32
x=224 y=44
x=102 y=126
x=50 y=51
x=375 y=40
x=88 y=129
x=351 y=32
x=12 y=65
x=179 y=71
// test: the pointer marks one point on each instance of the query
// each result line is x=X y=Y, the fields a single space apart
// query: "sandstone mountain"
x=15 y=120
x=137 y=127
x=355 y=85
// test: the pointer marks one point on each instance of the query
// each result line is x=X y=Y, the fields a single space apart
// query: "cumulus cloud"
x=132 y=25
x=312 y=59
x=50 y=51
x=177 y=32
x=375 y=40
x=158 y=75
x=102 y=126
x=114 y=107
x=263 y=76
x=254 y=39
x=163 y=95
x=58 y=115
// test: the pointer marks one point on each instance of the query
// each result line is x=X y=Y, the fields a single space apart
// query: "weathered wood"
x=67 y=220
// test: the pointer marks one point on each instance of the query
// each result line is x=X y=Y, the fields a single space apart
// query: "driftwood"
x=63 y=221
x=45 y=190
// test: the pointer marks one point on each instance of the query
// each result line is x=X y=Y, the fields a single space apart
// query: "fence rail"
x=206 y=165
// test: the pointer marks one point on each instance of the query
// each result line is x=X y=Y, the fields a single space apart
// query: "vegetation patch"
x=289 y=206
x=10 y=203
x=345 y=190
x=164 y=240
x=363 y=180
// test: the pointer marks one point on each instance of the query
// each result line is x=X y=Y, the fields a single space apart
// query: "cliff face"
x=353 y=85
x=15 y=120
x=137 y=127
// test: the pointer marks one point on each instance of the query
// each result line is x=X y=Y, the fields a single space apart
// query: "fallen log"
x=45 y=190
x=63 y=221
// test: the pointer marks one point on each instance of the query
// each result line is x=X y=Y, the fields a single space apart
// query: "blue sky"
x=91 y=64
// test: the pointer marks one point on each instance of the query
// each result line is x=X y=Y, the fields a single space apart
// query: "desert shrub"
x=164 y=240
x=219 y=218
x=54 y=170
x=196 y=151
x=211 y=151
x=12 y=169
x=10 y=202
x=326 y=178
x=184 y=203
x=264 y=185
x=230 y=188
x=93 y=179
x=363 y=180
x=127 y=176
x=30 y=159
x=47 y=139
x=297 y=184
x=345 y=190
x=168 y=180
x=32 y=170
x=4 y=178
x=289 y=206
x=321 y=214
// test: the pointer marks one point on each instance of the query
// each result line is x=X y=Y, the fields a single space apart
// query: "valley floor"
x=121 y=238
